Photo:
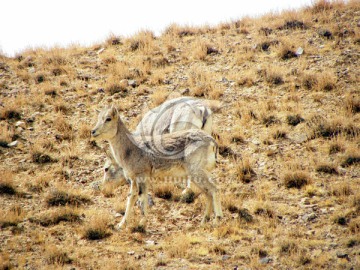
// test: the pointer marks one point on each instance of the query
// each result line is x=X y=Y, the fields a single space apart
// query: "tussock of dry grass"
x=12 y=217
x=245 y=172
x=54 y=217
x=57 y=256
x=63 y=198
x=164 y=191
x=296 y=180
x=7 y=185
x=41 y=158
x=96 y=228
x=327 y=168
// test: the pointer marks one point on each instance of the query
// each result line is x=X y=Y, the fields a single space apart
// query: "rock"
x=12 y=144
x=305 y=201
x=31 y=119
x=265 y=260
x=124 y=83
x=325 y=33
x=256 y=142
x=132 y=83
x=150 y=242
x=96 y=185
x=20 y=124
x=185 y=91
x=299 y=137
x=225 y=257
x=299 y=51
x=342 y=255
x=100 y=51
x=309 y=217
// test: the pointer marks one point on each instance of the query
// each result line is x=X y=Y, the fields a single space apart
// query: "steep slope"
x=288 y=133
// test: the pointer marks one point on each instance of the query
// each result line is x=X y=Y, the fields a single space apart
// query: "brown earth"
x=288 y=169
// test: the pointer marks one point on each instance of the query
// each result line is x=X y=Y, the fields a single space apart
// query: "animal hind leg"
x=217 y=205
x=201 y=179
x=143 y=193
x=188 y=187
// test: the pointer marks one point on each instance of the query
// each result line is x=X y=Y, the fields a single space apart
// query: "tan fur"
x=145 y=158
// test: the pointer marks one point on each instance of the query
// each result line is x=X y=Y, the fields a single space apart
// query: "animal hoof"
x=186 y=190
x=142 y=222
x=205 y=220
x=120 y=226
x=217 y=219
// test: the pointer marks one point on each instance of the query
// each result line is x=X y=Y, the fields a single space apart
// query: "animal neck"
x=122 y=143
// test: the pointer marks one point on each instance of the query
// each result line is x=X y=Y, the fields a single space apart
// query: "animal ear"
x=113 y=111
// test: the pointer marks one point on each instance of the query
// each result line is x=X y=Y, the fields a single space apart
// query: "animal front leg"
x=132 y=197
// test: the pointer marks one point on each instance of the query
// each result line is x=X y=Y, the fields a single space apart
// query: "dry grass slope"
x=288 y=168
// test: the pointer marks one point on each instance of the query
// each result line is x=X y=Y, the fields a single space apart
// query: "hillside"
x=288 y=168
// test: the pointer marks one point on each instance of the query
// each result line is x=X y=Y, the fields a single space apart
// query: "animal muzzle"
x=93 y=133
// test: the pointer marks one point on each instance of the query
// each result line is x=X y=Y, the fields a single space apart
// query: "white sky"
x=33 y=23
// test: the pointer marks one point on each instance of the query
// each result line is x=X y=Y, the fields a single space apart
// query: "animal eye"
x=108 y=119
x=106 y=169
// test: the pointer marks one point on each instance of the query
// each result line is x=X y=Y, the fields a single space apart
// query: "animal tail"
x=216 y=146
x=214 y=105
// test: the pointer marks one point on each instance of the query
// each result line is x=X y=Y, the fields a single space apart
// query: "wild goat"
x=173 y=115
x=190 y=152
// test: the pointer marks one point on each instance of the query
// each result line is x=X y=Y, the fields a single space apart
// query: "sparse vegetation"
x=56 y=256
x=12 y=217
x=41 y=158
x=7 y=186
x=351 y=159
x=245 y=172
x=57 y=216
x=294 y=120
x=63 y=198
x=296 y=180
x=164 y=192
x=10 y=114
x=327 y=168
x=97 y=228
x=138 y=229
x=288 y=135
x=188 y=197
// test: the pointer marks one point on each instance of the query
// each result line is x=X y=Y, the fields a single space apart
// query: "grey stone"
x=12 y=144
x=20 y=124
x=309 y=217
x=226 y=257
x=265 y=260
x=342 y=255
x=299 y=51
x=132 y=83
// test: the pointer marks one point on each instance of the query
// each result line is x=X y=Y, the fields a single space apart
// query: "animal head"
x=112 y=171
x=106 y=126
